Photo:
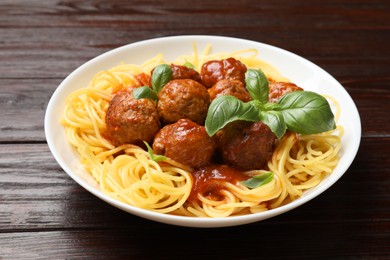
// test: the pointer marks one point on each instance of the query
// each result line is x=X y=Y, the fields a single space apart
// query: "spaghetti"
x=128 y=174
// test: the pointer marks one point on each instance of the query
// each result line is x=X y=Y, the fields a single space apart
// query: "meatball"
x=185 y=142
x=183 y=72
x=183 y=98
x=230 y=87
x=130 y=120
x=216 y=70
x=246 y=145
x=278 y=89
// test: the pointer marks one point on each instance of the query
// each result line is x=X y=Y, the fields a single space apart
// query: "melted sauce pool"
x=209 y=180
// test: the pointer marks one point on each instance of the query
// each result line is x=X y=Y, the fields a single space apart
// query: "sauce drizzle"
x=209 y=181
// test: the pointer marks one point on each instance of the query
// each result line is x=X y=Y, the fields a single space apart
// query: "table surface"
x=45 y=214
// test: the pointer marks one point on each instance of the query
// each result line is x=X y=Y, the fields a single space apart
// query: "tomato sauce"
x=209 y=181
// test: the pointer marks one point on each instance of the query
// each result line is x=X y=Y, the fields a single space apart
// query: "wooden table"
x=45 y=214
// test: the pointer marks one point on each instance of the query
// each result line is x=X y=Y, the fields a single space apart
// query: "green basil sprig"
x=154 y=157
x=225 y=109
x=275 y=121
x=303 y=112
x=257 y=85
x=161 y=75
x=306 y=112
x=145 y=92
x=189 y=65
x=258 y=180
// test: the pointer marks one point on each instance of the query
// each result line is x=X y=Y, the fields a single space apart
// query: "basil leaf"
x=161 y=75
x=306 y=112
x=144 y=92
x=189 y=65
x=257 y=104
x=156 y=158
x=271 y=106
x=275 y=121
x=257 y=85
x=226 y=109
x=258 y=180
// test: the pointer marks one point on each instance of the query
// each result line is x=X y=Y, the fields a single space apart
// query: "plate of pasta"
x=202 y=131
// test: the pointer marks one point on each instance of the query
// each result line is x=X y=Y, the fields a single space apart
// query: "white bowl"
x=297 y=69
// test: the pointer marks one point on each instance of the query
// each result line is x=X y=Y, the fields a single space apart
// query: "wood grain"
x=44 y=214
x=335 y=241
x=344 y=38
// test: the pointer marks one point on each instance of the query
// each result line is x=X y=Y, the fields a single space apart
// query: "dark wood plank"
x=23 y=104
x=371 y=97
x=374 y=10
x=44 y=214
x=52 y=38
x=44 y=57
x=266 y=240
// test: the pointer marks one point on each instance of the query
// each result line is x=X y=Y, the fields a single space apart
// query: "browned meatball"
x=183 y=72
x=130 y=120
x=183 y=98
x=216 y=70
x=278 y=89
x=185 y=142
x=229 y=87
x=246 y=145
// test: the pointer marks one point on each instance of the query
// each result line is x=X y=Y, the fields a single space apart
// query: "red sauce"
x=209 y=181
x=143 y=79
